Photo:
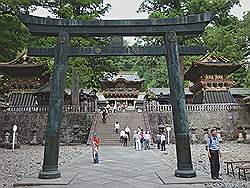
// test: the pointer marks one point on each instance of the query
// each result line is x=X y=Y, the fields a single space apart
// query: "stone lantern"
x=240 y=137
x=193 y=135
x=76 y=132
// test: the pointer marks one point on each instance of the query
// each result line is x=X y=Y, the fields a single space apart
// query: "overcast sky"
x=126 y=9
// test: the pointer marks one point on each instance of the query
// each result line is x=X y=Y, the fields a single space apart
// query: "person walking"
x=104 y=115
x=125 y=140
x=141 y=135
x=137 y=139
x=135 y=135
x=147 y=138
x=163 y=142
x=122 y=133
x=214 y=154
x=158 y=140
x=95 y=148
x=117 y=127
x=127 y=131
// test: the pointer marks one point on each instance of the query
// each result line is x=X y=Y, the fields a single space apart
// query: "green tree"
x=226 y=36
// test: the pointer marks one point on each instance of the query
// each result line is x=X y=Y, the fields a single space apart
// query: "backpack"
x=210 y=141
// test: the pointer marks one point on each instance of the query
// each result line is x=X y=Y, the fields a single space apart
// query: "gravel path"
x=229 y=151
x=27 y=160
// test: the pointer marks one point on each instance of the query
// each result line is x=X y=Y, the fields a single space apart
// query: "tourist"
x=141 y=135
x=95 y=148
x=117 y=127
x=122 y=133
x=125 y=140
x=214 y=154
x=158 y=140
x=127 y=131
x=108 y=107
x=104 y=115
x=147 y=139
x=114 y=108
x=137 y=139
x=163 y=142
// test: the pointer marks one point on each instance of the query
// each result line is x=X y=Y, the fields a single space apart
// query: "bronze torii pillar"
x=56 y=102
x=177 y=94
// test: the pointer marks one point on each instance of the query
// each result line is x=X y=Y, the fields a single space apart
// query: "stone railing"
x=195 y=107
x=66 y=108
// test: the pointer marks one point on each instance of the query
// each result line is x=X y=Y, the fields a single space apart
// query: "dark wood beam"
x=118 y=51
x=186 y=25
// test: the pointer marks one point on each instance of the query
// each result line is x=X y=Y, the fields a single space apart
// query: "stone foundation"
x=28 y=122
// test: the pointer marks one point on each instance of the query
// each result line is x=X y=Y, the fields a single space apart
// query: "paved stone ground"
x=125 y=167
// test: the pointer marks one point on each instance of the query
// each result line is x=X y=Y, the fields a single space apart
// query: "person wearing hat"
x=214 y=154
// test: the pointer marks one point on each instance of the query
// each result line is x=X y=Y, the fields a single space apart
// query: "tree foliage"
x=226 y=36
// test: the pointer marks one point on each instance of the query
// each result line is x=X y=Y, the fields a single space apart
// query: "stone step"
x=106 y=131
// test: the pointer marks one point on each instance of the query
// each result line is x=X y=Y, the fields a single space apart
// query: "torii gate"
x=169 y=28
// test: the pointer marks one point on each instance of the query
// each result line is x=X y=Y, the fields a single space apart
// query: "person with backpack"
x=213 y=148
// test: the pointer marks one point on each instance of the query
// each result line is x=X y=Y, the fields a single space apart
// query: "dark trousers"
x=214 y=163
x=158 y=144
x=125 y=141
x=163 y=145
x=116 y=130
x=127 y=133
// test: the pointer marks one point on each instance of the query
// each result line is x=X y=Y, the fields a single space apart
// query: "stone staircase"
x=106 y=131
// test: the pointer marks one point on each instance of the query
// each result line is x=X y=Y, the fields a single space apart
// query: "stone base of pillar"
x=52 y=174
x=185 y=173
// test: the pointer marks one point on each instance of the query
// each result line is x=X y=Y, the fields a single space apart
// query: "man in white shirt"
x=163 y=142
x=147 y=138
x=127 y=131
x=137 y=140
x=122 y=133
x=117 y=127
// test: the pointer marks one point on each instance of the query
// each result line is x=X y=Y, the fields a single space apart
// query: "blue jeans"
x=96 y=159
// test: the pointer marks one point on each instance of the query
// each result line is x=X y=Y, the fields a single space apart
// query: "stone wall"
x=227 y=120
x=29 y=121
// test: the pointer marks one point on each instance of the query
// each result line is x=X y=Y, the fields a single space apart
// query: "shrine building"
x=122 y=89
x=210 y=79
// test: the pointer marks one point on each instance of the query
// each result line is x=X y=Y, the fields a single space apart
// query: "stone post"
x=183 y=151
x=34 y=139
x=240 y=138
x=56 y=101
x=193 y=135
x=6 y=138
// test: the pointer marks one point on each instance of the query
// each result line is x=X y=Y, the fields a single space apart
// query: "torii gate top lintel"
x=185 y=25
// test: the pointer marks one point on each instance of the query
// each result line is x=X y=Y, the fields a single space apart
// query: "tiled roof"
x=22 y=99
x=210 y=97
x=127 y=76
x=166 y=91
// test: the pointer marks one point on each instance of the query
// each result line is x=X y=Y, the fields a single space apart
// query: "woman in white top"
x=117 y=127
